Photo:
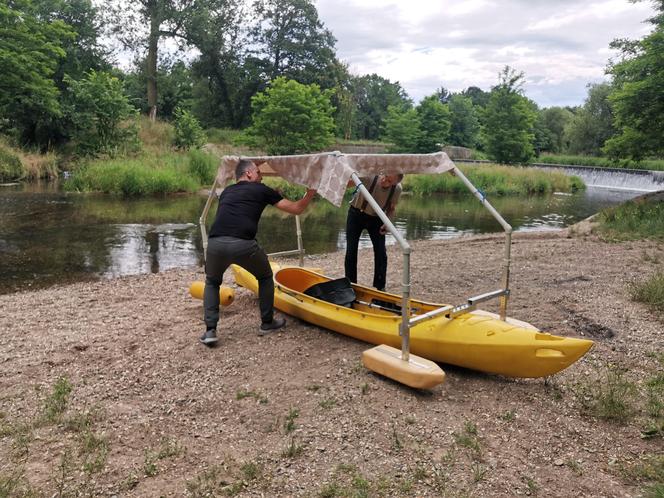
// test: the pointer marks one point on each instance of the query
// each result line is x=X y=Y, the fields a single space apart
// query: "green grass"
x=650 y=292
x=251 y=394
x=289 y=424
x=145 y=175
x=293 y=449
x=633 y=220
x=56 y=404
x=601 y=162
x=609 y=397
x=495 y=180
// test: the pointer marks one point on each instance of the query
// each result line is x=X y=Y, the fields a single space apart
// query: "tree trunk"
x=151 y=60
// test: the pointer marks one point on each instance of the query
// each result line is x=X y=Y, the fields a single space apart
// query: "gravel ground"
x=154 y=413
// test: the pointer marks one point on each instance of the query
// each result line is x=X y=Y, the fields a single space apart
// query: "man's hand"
x=383 y=230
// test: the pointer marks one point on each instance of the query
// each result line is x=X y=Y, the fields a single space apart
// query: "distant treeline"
x=61 y=90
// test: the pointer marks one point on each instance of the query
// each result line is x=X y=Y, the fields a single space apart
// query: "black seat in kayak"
x=338 y=291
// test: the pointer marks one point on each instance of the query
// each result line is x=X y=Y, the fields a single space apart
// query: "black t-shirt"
x=240 y=208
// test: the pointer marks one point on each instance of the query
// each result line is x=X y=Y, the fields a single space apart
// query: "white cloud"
x=560 y=46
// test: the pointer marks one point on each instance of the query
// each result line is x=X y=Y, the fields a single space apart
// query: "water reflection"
x=49 y=237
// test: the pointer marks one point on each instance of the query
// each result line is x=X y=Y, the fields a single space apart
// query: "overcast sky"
x=560 y=45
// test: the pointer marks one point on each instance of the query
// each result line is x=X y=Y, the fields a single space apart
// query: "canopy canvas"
x=330 y=172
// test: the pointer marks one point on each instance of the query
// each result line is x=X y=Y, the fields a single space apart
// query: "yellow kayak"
x=478 y=340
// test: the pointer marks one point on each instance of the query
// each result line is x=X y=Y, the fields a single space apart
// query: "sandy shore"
x=295 y=414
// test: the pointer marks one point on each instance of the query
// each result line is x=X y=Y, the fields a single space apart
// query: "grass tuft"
x=610 y=397
x=650 y=292
x=56 y=404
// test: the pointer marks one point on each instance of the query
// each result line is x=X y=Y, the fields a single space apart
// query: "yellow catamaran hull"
x=478 y=340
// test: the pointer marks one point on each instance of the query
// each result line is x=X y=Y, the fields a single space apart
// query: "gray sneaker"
x=210 y=337
x=275 y=324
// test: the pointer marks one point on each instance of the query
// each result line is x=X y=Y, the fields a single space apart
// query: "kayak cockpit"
x=364 y=299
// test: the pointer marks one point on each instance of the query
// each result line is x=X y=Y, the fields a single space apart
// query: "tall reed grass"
x=141 y=176
x=496 y=180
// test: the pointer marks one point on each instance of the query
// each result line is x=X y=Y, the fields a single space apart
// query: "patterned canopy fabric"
x=330 y=172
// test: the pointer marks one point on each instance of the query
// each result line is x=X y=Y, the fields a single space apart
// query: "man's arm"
x=296 y=207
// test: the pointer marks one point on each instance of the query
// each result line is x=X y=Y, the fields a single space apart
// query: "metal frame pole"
x=508 y=239
x=404 y=329
x=300 y=246
x=203 y=219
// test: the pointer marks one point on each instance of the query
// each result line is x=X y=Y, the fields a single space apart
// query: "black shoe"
x=210 y=337
x=275 y=324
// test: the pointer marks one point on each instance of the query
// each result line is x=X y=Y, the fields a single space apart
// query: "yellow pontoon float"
x=456 y=334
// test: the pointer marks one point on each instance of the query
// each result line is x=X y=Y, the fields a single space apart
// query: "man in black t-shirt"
x=232 y=240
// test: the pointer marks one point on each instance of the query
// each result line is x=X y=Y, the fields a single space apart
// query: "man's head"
x=387 y=181
x=246 y=170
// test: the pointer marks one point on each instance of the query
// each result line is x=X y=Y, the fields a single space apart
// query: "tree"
x=229 y=75
x=435 y=122
x=465 y=125
x=174 y=80
x=83 y=53
x=593 y=123
x=141 y=24
x=402 y=129
x=373 y=95
x=293 y=42
x=509 y=121
x=555 y=120
x=101 y=112
x=30 y=50
x=636 y=95
x=477 y=96
x=292 y=118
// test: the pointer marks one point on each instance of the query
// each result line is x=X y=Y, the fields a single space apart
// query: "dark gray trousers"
x=221 y=253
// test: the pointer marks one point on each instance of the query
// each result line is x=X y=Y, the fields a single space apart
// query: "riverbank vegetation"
x=636 y=220
x=492 y=179
x=633 y=220
x=63 y=97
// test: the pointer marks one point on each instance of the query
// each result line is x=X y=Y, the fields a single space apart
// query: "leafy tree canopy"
x=509 y=121
x=402 y=129
x=465 y=125
x=292 y=118
x=592 y=125
x=30 y=49
x=435 y=122
x=637 y=97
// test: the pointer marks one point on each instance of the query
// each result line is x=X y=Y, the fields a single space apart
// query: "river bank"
x=295 y=414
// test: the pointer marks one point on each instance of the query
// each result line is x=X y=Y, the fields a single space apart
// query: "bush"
x=188 y=131
x=11 y=167
x=202 y=166
x=291 y=118
x=105 y=122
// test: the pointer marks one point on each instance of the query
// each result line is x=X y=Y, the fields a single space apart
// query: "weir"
x=635 y=180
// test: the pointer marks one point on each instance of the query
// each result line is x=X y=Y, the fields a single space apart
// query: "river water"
x=49 y=237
